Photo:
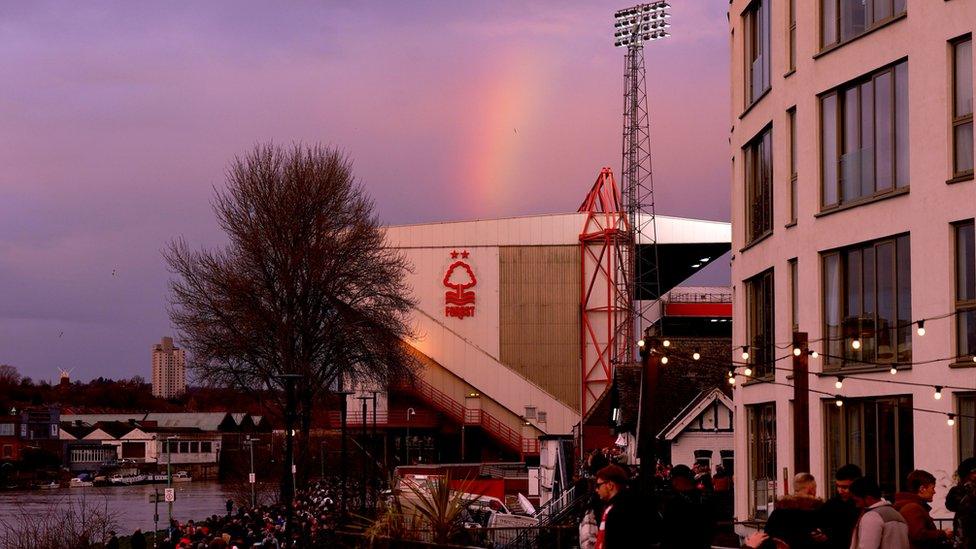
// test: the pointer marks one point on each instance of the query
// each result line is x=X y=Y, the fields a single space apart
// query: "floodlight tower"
x=641 y=280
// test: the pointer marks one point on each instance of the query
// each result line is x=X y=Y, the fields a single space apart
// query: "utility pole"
x=288 y=480
x=366 y=457
x=169 y=477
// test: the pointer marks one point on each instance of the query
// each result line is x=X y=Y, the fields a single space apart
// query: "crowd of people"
x=693 y=510
x=314 y=515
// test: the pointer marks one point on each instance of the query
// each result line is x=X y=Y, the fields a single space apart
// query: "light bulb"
x=731 y=381
x=974 y=359
x=839 y=383
x=938 y=393
x=747 y=371
x=666 y=343
x=664 y=360
x=745 y=352
x=696 y=355
x=839 y=402
x=952 y=420
x=640 y=343
x=921 y=327
x=814 y=354
x=856 y=344
x=796 y=351
x=894 y=370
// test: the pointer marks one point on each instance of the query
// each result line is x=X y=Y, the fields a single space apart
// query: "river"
x=130 y=504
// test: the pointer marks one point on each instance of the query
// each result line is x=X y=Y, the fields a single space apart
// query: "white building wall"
x=683 y=448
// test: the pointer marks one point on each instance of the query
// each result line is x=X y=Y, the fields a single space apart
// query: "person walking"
x=620 y=519
x=688 y=518
x=839 y=514
x=590 y=524
x=138 y=540
x=914 y=506
x=880 y=526
x=961 y=500
x=796 y=519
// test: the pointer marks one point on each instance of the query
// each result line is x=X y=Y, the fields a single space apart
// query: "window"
x=792 y=32
x=6 y=429
x=864 y=137
x=874 y=434
x=8 y=451
x=842 y=20
x=756 y=22
x=794 y=298
x=761 y=419
x=965 y=290
x=962 y=107
x=791 y=114
x=967 y=425
x=762 y=342
x=206 y=447
x=867 y=297
x=759 y=185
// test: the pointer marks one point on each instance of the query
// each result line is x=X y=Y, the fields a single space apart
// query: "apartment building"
x=168 y=369
x=852 y=208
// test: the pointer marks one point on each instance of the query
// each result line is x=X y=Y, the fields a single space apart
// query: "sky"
x=118 y=121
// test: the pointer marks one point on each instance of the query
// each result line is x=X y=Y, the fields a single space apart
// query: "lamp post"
x=362 y=484
x=343 y=470
x=410 y=412
x=288 y=480
x=250 y=442
x=169 y=477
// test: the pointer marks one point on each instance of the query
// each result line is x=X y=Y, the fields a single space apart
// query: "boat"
x=126 y=479
x=49 y=485
x=158 y=477
x=182 y=476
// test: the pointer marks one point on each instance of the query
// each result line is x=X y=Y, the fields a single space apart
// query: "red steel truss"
x=604 y=300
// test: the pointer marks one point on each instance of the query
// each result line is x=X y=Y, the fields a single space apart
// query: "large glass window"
x=842 y=20
x=794 y=297
x=868 y=298
x=965 y=290
x=864 y=137
x=756 y=20
x=761 y=419
x=759 y=185
x=791 y=114
x=967 y=425
x=962 y=107
x=761 y=332
x=792 y=32
x=875 y=434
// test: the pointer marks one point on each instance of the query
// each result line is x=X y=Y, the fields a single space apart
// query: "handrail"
x=508 y=436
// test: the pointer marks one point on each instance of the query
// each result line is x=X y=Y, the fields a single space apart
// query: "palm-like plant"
x=441 y=508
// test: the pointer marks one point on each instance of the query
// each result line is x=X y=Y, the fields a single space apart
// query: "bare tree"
x=305 y=286
x=9 y=375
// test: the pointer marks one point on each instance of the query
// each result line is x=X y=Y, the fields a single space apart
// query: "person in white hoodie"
x=880 y=525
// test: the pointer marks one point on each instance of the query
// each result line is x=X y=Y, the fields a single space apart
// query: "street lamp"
x=410 y=412
x=251 y=479
x=288 y=481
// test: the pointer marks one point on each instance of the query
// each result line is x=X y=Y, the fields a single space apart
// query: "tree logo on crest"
x=459 y=303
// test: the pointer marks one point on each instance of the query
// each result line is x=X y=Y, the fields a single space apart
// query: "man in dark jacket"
x=839 y=515
x=961 y=500
x=688 y=518
x=795 y=518
x=621 y=522
x=914 y=506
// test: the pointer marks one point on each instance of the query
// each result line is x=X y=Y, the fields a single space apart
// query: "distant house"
x=702 y=433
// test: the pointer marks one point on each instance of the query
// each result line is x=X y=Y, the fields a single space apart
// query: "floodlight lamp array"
x=641 y=23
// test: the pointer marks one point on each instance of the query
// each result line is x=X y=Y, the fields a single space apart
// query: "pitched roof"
x=694 y=408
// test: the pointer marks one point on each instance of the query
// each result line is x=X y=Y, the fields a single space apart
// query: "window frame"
x=761 y=357
x=756 y=416
x=753 y=152
x=794 y=199
x=900 y=403
x=755 y=20
x=838 y=94
x=794 y=296
x=956 y=120
x=961 y=305
x=965 y=422
x=834 y=363
x=838 y=23
x=791 y=36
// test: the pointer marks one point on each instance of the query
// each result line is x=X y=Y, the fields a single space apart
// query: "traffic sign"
x=170 y=495
x=250 y=478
